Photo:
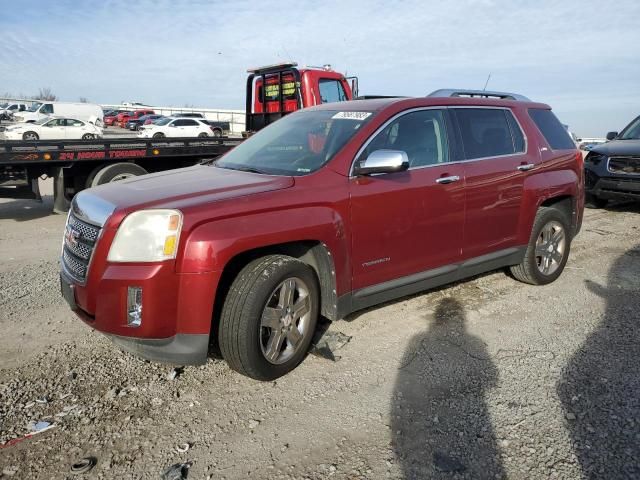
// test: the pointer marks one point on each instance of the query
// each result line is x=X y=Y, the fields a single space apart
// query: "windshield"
x=631 y=131
x=34 y=107
x=163 y=121
x=4 y=105
x=298 y=144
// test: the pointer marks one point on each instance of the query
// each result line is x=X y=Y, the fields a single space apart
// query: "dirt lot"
x=488 y=378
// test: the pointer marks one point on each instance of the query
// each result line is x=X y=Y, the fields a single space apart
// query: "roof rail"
x=454 y=92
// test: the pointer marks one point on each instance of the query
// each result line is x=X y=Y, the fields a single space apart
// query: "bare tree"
x=46 y=94
x=83 y=100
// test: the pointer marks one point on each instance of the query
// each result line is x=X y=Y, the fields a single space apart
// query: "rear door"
x=75 y=129
x=497 y=162
x=412 y=221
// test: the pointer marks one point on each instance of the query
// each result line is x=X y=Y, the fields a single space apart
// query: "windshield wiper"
x=243 y=169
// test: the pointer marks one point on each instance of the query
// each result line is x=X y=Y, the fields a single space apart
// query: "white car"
x=54 y=129
x=7 y=110
x=175 y=127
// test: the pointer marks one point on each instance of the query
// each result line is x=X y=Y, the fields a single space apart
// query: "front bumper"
x=612 y=187
x=177 y=310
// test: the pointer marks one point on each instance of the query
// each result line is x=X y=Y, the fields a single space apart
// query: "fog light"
x=134 y=306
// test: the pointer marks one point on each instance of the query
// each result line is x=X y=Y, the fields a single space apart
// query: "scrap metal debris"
x=326 y=342
x=178 y=471
x=83 y=466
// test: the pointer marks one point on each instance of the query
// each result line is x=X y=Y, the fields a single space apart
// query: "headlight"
x=147 y=236
x=594 y=158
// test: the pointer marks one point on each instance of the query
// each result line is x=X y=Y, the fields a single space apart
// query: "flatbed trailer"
x=78 y=164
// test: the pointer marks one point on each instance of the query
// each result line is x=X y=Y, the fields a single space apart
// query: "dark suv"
x=612 y=170
x=328 y=210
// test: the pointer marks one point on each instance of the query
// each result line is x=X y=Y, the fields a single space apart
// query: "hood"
x=186 y=187
x=618 y=147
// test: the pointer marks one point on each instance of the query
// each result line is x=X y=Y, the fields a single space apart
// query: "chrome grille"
x=624 y=165
x=78 y=244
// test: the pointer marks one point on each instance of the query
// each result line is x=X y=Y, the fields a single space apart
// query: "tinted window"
x=331 y=91
x=552 y=130
x=516 y=132
x=421 y=135
x=485 y=132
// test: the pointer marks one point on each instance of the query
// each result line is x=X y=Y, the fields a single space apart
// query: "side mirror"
x=172 y=125
x=612 y=135
x=383 y=161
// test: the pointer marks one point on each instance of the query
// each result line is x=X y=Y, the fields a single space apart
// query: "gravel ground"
x=487 y=378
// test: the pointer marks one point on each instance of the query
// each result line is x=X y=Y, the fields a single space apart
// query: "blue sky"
x=581 y=57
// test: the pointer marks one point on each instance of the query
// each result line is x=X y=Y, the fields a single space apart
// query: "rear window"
x=489 y=132
x=552 y=130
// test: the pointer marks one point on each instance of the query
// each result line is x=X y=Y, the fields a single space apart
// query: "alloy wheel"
x=550 y=247
x=285 y=321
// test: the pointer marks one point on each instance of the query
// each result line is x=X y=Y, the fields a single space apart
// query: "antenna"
x=487 y=82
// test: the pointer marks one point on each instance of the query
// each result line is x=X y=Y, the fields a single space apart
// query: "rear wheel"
x=202 y=135
x=269 y=317
x=548 y=248
x=158 y=135
x=591 y=201
x=114 y=173
x=30 y=136
x=217 y=133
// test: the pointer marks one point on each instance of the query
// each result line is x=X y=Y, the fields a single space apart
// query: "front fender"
x=210 y=246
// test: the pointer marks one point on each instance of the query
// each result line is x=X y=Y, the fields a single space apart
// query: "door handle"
x=524 y=168
x=445 y=180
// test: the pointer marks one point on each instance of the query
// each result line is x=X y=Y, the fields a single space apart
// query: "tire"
x=549 y=224
x=202 y=135
x=261 y=351
x=30 y=136
x=217 y=133
x=114 y=173
x=158 y=135
x=88 y=136
x=591 y=201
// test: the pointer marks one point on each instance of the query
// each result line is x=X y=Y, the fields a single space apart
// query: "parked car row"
x=136 y=120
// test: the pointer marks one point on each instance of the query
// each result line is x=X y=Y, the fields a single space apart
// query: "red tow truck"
x=272 y=92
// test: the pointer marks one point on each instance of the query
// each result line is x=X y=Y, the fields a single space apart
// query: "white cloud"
x=581 y=57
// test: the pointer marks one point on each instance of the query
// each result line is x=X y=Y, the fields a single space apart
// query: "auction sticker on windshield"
x=352 y=115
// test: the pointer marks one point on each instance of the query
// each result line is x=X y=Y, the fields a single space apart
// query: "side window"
x=189 y=123
x=73 y=123
x=552 y=130
x=516 y=133
x=422 y=135
x=22 y=108
x=485 y=132
x=47 y=108
x=331 y=91
x=179 y=123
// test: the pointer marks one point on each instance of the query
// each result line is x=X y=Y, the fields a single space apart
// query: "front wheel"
x=88 y=136
x=31 y=136
x=217 y=133
x=548 y=248
x=269 y=317
x=202 y=135
x=158 y=135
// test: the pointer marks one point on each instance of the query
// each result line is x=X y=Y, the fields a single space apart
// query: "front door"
x=412 y=221
x=53 y=130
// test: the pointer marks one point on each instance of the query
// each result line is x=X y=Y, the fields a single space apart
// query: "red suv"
x=329 y=210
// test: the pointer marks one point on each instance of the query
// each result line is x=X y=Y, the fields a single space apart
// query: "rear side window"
x=552 y=130
x=489 y=132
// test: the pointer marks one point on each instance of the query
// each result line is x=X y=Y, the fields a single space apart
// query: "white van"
x=79 y=111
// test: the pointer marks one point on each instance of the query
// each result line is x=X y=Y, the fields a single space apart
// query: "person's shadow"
x=600 y=385
x=439 y=418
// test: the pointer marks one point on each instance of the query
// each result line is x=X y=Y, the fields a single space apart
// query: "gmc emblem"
x=71 y=237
